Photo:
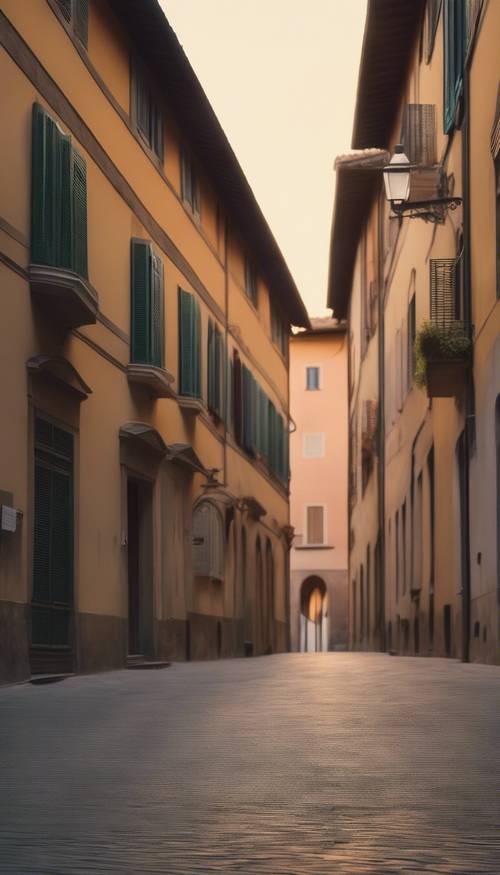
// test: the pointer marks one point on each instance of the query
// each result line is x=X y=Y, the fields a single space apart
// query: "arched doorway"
x=269 y=643
x=313 y=615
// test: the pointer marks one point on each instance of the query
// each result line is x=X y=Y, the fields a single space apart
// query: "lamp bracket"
x=430 y=211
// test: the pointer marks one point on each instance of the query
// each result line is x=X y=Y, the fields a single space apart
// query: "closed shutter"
x=82 y=21
x=211 y=367
x=79 y=217
x=65 y=7
x=443 y=304
x=53 y=535
x=315 y=532
x=418 y=133
x=237 y=411
x=454 y=56
x=189 y=345
x=140 y=330
x=219 y=372
x=58 y=198
x=229 y=394
x=44 y=201
x=157 y=313
x=273 y=445
x=63 y=193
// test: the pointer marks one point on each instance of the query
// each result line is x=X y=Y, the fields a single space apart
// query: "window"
x=190 y=189
x=418 y=133
x=312 y=378
x=189 y=345
x=403 y=548
x=251 y=281
x=147 y=306
x=315 y=524
x=215 y=369
x=412 y=333
x=76 y=13
x=208 y=542
x=497 y=186
x=279 y=331
x=314 y=446
x=259 y=429
x=454 y=56
x=147 y=113
x=53 y=536
x=58 y=198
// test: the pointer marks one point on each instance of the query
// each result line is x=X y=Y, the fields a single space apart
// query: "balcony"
x=443 y=344
x=64 y=295
x=156 y=381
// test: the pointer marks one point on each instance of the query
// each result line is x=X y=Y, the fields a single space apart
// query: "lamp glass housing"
x=397 y=177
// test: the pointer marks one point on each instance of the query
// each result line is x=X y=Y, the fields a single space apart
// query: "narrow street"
x=344 y=763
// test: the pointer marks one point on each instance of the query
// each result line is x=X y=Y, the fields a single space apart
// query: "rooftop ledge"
x=156 y=380
x=66 y=295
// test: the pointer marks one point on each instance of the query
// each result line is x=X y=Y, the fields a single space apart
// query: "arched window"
x=208 y=541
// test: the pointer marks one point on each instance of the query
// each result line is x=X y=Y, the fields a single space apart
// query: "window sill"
x=314 y=547
x=191 y=406
x=67 y=296
x=156 y=380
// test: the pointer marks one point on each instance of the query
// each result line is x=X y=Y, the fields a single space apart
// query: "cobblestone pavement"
x=296 y=764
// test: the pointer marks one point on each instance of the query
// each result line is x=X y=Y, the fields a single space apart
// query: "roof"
x=154 y=38
x=358 y=175
x=390 y=31
x=322 y=325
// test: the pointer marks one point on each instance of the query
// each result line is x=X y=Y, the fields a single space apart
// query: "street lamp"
x=397 y=180
x=397 y=177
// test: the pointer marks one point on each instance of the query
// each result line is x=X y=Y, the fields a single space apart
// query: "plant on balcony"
x=442 y=352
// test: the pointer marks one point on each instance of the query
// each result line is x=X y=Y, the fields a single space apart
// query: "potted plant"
x=442 y=356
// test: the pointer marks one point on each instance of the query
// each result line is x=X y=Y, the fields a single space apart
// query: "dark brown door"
x=133 y=567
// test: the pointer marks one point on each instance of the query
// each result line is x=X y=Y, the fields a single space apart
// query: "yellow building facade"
x=145 y=318
x=424 y=426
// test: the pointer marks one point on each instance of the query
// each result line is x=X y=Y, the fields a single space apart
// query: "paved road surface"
x=296 y=764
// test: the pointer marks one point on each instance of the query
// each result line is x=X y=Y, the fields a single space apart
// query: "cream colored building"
x=144 y=343
x=424 y=565
x=318 y=464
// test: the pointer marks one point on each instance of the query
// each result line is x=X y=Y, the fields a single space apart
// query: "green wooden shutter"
x=273 y=456
x=211 y=366
x=65 y=7
x=229 y=394
x=157 y=313
x=64 y=198
x=197 y=348
x=140 y=329
x=454 y=57
x=79 y=215
x=44 y=200
x=189 y=345
x=219 y=372
x=81 y=20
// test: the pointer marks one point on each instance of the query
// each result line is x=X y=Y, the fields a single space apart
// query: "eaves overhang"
x=391 y=30
x=359 y=175
x=155 y=40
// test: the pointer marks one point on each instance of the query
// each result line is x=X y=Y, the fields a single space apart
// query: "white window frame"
x=209 y=561
x=313 y=434
x=320 y=377
x=322 y=543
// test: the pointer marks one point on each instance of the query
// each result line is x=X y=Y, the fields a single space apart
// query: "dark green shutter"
x=81 y=12
x=454 y=57
x=58 y=198
x=53 y=535
x=229 y=394
x=157 y=313
x=219 y=372
x=79 y=217
x=140 y=329
x=197 y=348
x=211 y=366
x=65 y=7
x=189 y=345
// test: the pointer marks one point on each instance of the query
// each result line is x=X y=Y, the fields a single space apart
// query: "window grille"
x=445 y=304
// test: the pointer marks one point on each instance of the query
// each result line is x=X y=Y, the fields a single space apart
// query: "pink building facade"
x=318 y=458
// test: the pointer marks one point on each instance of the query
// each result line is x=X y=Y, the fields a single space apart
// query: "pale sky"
x=281 y=76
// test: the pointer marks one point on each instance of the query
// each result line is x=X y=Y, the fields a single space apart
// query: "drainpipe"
x=469 y=396
x=381 y=425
